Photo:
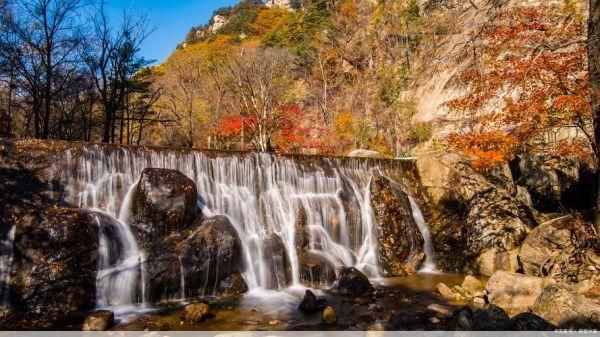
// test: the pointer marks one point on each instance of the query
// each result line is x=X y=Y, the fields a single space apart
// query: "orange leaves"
x=348 y=11
x=485 y=149
x=529 y=80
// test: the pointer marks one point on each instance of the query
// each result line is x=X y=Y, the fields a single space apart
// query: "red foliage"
x=297 y=130
x=231 y=126
x=529 y=82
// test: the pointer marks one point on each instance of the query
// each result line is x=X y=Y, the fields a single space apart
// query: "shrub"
x=419 y=132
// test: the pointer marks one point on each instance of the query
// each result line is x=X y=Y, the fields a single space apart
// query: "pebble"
x=479 y=301
x=440 y=310
x=434 y=320
x=329 y=315
x=273 y=322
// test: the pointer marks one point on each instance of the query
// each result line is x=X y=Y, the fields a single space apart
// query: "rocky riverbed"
x=409 y=303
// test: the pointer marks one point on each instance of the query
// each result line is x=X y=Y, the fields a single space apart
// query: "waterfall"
x=429 y=265
x=260 y=193
x=6 y=258
x=119 y=264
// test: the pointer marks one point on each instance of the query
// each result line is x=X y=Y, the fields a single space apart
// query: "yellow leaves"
x=344 y=123
x=271 y=19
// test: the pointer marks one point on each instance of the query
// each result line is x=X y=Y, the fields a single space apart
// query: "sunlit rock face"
x=474 y=214
x=400 y=243
x=287 y=4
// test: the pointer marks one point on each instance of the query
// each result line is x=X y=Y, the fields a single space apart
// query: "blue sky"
x=171 y=18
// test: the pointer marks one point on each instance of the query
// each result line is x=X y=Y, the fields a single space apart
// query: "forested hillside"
x=489 y=78
x=397 y=77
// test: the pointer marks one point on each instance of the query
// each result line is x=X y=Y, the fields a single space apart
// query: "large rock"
x=274 y=252
x=233 y=285
x=554 y=182
x=472 y=212
x=492 y=318
x=461 y=320
x=54 y=265
x=316 y=271
x=472 y=285
x=558 y=248
x=310 y=303
x=528 y=322
x=514 y=293
x=352 y=282
x=493 y=260
x=164 y=201
x=195 y=313
x=400 y=241
x=210 y=254
x=566 y=309
x=99 y=321
x=203 y=256
x=164 y=267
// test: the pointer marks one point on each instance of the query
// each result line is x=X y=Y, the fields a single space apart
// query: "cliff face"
x=287 y=4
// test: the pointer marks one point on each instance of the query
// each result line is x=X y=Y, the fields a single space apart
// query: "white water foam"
x=260 y=193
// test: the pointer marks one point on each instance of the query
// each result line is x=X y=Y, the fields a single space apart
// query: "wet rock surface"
x=400 y=241
x=163 y=268
x=316 y=271
x=211 y=253
x=195 y=313
x=54 y=266
x=207 y=254
x=310 y=303
x=233 y=285
x=99 y=321
x=163 y=202
x=352 y=282
x=275 y=255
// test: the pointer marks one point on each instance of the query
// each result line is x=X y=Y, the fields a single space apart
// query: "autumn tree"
x=259 y=80
x=594 y=69
x=527 y=87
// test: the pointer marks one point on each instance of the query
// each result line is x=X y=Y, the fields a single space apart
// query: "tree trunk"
x=9 y=109
x=47 y=102
x=36 y=114
x=594 y=65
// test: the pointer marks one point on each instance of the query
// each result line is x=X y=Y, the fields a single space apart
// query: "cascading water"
x=119 y=264
x=429 y=265
x=261 y=194
x=6 y=258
